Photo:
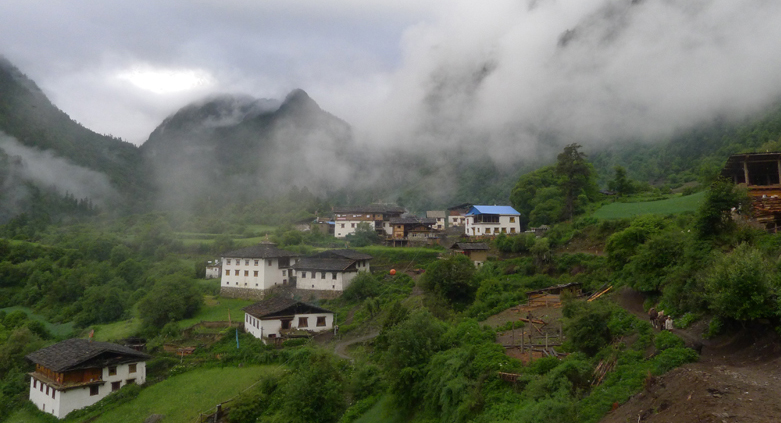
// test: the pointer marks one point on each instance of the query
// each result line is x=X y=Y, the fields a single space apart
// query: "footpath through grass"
x=673 y=205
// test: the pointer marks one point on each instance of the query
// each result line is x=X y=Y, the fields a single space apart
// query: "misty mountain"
x=42 y=147
x=232 y=148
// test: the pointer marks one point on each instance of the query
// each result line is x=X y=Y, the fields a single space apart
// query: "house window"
x=512 y=219
x=313 y=286
x=228 y=261
x=352 y=225
x=333 y=286
x=270 y=262
x=333 y=275
x=284 y=273
x=112 y=371
x=286 y=324
x=256 y=273
x=302 y=322
x=131 y=368
x=303 y=275
x=227 y=272
x=512 y=230
x=35 y=383
x=322 y=275
x=115 y=386
x=504 y=230
x=246 y=273
x=256 y=262
x=94 y=390
x=237 y=273
x=47 y=389
x=246 y=262
x=342 y=225
x=130 y=381
x=53 y=391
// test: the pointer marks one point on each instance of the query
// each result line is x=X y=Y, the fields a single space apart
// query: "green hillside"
x=675 y=205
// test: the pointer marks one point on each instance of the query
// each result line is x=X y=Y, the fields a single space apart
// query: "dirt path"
x=340 y=348
x=738 y=379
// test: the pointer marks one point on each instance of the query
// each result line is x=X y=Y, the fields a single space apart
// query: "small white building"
x=331 y=270
x=213 y=269
x=492 y=220
x=440 y=220
x=76 y=373
x=279 y=317
x=250 y=271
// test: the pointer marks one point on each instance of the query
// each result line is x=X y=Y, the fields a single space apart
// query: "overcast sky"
x=409 y=71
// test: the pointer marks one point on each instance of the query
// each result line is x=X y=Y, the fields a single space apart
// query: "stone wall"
x=305 y=295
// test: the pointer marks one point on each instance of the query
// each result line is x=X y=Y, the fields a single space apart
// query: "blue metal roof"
x=492 y=210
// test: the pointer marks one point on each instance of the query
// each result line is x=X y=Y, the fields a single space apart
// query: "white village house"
x=213 y=269
x=492 y=220
x=76 y=373
x=249 y=272
x=378 y=216
x=280 y=317
x=329 y=271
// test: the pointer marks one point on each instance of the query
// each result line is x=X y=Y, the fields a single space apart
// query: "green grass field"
x=673 y=205
x=216 y=309
x=182 y=398
x=117 y=330
x=382 y=412
x=56 y=329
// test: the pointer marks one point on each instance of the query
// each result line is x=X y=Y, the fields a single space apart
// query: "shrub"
x=665 y=340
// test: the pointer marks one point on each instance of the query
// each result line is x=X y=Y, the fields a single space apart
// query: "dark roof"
x=349 y=254
x=281 y=306
x=260 y=251
x=71 y=353
x=411 y=220
x=329 y=264
x=470 y=246
x=735 y=161
x=371 y=208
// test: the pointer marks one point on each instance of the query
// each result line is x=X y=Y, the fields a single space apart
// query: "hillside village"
x=224 y=271
x=284 y=289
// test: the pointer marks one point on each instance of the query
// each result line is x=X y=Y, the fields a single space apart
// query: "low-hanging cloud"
x=504 y=76
x=48 y=170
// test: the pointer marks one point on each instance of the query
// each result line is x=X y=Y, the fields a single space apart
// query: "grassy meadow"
x=675 y=205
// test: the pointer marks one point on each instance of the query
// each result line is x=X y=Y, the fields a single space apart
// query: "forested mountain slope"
x=35 y=136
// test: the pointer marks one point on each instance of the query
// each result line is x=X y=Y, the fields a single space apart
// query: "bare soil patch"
x=738 y=379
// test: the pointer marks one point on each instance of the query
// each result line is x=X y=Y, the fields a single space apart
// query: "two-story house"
x=329 y=272
x=492 y=220
x=249 y=272
x=378 y=216
x=76 y=373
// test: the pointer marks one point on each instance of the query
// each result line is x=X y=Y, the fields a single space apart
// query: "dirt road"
x=340 y=348
x=738 y=379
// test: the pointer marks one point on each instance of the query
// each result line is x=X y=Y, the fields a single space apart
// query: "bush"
x=363 y=286
x=665 y=340
x=738 y=285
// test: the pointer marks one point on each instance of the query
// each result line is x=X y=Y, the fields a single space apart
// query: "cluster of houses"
x=77 y=373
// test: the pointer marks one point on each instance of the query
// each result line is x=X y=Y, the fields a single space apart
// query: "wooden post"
x=512 y=344
x=745 y=170
x=522 y=336
x=546 y=341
